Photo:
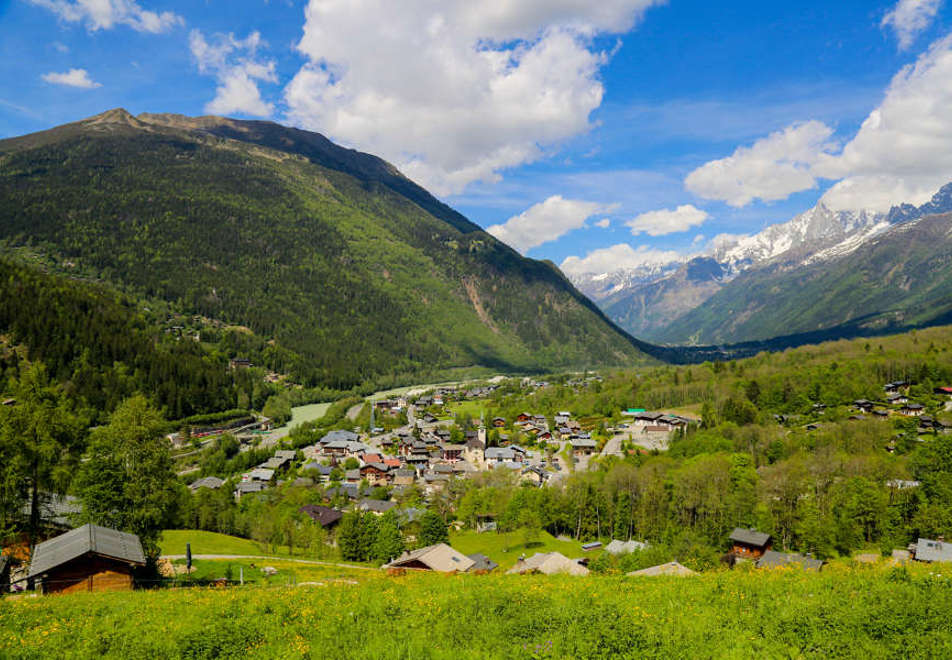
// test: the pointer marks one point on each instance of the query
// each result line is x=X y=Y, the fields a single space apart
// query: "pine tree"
x=389 y=542
x=432 y=530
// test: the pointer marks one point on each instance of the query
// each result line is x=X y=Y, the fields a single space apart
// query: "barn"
x=89 y=558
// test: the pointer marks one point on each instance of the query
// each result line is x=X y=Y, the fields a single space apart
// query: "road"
x=270 y=558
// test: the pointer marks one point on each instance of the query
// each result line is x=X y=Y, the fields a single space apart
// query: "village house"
x=749 y=543
x=499 y=422
x=404 y=477
x=912 y=410
x=452 y=452
x=440 y=558
x=583 y=445
x=88 y=558
x=774 y=559
x=548 y=563
x=375 y=473
x=376 y=507
x=324 y=516
x=248 y=488
x=473 y=451
x=212 y=483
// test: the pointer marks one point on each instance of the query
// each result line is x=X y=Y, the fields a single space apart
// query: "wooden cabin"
x=749 y=543
x=89 y=558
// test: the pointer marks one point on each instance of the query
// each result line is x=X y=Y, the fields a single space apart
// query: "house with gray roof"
x=88 y=558
x=774 y=559
x=339 y=435
x=212 y=483
x=749 y=543
x=378 y=507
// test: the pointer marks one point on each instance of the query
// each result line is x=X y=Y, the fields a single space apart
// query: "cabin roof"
x=111 y=543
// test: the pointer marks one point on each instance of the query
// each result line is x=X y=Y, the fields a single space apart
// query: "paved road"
x=269 y=558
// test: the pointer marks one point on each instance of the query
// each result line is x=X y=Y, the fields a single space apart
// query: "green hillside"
x=343 y=270
x=898 y=281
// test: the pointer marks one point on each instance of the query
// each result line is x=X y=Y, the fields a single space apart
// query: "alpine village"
x=264 y=395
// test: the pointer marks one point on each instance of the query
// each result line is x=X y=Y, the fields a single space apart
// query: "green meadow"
x=844 y=612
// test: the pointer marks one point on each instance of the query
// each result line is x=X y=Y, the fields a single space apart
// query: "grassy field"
x=840 y=613
x=505 y=548
x=251 y=572
x=209 y=543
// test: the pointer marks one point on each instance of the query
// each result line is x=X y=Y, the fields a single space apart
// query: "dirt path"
x=270 y=558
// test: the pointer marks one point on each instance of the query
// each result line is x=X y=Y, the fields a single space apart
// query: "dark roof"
x=750 y=537
x=483 y=563
x=207 y=482
x=322 y=515
x=334 y=436
x=774 y=559
x=83 y=540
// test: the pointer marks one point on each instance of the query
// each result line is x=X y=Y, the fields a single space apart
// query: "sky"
x=597 y=135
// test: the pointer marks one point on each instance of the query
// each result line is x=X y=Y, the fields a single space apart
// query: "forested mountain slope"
x=343 y=269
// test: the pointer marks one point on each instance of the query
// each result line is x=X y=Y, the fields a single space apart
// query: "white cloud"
x=618 y=257
x=666 y=221
x=604 y=223
x=106 y=14
x=909 y=18
x=773 y=168
x=698 y=240
x=546 y=221
x=72 y=78
x=901 y=153
x=234 y=63
x=454 y=91
x=60 y=46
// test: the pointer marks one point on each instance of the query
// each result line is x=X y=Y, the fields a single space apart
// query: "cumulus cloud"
x=667 y=221
x=773 y=168
x=235 y=64
x=454 y=91
x=901 y=153
x=604 y=223
x=106 y=14
x=72 y=78
x=618 y=257
x=909 y=18
x=546 y=221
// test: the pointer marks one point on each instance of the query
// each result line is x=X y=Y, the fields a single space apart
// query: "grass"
x=504 y=548
x=210 y=543
x=471 y=409
x=251 y=572
x=844 y=612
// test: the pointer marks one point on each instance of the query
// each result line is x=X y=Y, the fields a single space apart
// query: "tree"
x=389 y=542
x=40 y=444
x=349 y=536
x=127 y=481
x=432 y=530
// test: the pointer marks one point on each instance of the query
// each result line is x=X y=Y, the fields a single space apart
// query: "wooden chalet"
x=89 y=558
x=749 y=543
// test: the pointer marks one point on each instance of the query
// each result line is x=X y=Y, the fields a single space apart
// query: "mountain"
x=897 y=279
x=661 y=309
x=311 y=259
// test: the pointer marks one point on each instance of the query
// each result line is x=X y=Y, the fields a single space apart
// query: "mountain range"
x=308 y=258
x=823 y=274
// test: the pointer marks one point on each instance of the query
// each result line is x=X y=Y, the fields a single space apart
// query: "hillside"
x=898 y=279
x=863 y=612
x=342 y=269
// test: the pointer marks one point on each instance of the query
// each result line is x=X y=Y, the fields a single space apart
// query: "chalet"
x=499 y=454
x=452 y=452
x=562 y=417
x=89 y=558
x=535 y=475
x=482 y=565
x=418 y=460
x=774 y=559
x=260 y=474
x=376 y=507
x=897 y=399
x=863 y=405
x=440 y=558
x=212 y=483
x=931 y=551
x=277 y=464
x=352 y=476
x=583 y=446
x=239 y=363
x=350 y=491
x=548 y=563
x=339 y=435
x=375 y=473
x=404 y=477
x=248 y=488
x=912 y=410
x=545 y=436
x=324 y=516
x=896 y=386
x=499 y=422
x=322 y=472
x=372 y=458
x=749 y=543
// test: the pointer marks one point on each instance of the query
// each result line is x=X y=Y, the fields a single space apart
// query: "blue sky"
x=626 y=132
